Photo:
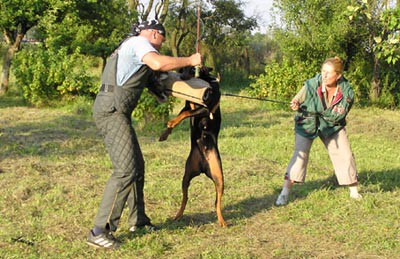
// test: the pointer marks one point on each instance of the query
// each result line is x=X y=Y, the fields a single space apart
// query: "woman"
x=322 y=106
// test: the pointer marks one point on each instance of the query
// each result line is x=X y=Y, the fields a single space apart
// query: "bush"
x=149 y=109
x=47 y=75
x=360 y=76
x=281 y=80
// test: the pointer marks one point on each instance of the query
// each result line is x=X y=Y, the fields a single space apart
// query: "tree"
x=16 y=18
x=378 y=33
x=388 y=42
x=226 y=34
x=95 y=27
x=263 y=50
x=180 y=22
x=313 y=29
x=363 y=32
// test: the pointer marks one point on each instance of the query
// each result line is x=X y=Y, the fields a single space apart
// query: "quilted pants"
x=125 y=186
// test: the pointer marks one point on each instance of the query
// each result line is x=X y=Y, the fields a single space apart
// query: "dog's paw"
x=165 y=134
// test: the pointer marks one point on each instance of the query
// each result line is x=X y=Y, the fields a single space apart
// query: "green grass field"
x=53 y=168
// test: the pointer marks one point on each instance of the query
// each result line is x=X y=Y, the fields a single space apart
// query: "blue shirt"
x=130 y=57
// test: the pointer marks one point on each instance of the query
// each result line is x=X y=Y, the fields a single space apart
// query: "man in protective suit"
x=128 y=70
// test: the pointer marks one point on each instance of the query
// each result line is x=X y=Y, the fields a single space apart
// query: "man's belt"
x=107 y=88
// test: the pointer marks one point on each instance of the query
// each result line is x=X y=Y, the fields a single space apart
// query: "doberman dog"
x=204 y=157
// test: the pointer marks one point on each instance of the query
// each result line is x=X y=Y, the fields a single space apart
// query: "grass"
x=53 y=168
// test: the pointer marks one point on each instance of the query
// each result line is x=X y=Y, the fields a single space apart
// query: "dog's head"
x=189 y=72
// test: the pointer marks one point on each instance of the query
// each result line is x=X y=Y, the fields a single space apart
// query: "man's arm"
x=159 y=62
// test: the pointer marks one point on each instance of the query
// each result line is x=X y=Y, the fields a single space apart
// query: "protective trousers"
x=112 y=111
x=126 y=182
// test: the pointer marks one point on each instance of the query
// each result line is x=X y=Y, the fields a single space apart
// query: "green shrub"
x=47 y=75
x=281 y=80
x=360 y=76
x=149 y=109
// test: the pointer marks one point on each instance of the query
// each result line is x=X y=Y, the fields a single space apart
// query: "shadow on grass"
x=44 y=138
x=387 y=180
x=12 y=99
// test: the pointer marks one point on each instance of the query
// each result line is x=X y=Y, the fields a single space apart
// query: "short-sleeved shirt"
x=130 y=57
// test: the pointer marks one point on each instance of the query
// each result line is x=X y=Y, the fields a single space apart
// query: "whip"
x=197 y=68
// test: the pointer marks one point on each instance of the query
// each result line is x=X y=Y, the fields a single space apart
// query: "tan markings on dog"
x=217 y=176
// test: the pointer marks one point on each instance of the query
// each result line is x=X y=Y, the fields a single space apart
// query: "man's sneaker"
x=282 y=200
x=149 y=228
x=104 y=240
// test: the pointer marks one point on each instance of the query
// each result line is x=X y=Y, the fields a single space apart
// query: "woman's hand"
x=294 y=105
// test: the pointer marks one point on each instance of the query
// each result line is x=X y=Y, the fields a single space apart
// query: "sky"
x=261 y=9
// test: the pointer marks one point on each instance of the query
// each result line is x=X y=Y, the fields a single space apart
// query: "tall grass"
x=53 y=168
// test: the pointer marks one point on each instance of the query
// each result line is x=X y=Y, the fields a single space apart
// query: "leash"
x=255 y=98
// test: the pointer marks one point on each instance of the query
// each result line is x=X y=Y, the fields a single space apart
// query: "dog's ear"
x=205 y=71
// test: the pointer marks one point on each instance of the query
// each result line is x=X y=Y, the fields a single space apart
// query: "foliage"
x=376 y=25
x=263 y=50
x=364 y=33
x=148 y=108
x=313 y=29
x=46 y=75
x=388 y=42
x=95 y=27
x=226 y=35
x=16 y=18
x=360 y=76
x=224 y=32
x=282 y=80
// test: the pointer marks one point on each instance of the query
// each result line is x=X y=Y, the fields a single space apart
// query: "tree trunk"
x=376 y=82
x=173 y=43
x=13 y=47
x=246 y=58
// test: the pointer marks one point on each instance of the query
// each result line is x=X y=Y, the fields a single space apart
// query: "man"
x=128 y=70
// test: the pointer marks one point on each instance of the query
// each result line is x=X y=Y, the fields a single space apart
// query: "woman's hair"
x=336 y=62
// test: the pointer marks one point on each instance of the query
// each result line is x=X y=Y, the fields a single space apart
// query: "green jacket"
x=314 y=118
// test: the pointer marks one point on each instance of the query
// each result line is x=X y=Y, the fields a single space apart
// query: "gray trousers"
x=125 y=186
x=339 y=151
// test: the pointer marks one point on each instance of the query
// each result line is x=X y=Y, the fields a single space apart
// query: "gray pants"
x=127 y=180
x=339 y=151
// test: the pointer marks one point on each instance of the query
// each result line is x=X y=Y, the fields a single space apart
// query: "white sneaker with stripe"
x=103 y=240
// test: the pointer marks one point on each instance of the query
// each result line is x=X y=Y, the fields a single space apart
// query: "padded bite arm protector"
x=194 y=90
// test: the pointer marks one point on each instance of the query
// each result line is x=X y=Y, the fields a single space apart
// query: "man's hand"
x=195 y=59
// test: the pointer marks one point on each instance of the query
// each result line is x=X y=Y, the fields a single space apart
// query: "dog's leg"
x=192 y=169
x=178 y=119
x=217 y=176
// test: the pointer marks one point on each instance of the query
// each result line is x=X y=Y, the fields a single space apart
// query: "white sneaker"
x=282 y=200
x=356 y=196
